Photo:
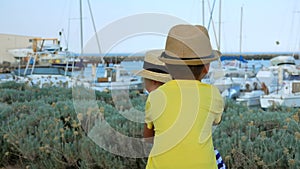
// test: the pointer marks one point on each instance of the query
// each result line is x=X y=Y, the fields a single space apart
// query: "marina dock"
x=247 y=56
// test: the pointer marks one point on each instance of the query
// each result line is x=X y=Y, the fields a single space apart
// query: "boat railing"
x=32 y=58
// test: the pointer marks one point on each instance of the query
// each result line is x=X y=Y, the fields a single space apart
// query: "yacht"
x=43 y=76
x=287 y=95
x=227 y=74
x=44 y=51
x=116 y=77
x=267 y=80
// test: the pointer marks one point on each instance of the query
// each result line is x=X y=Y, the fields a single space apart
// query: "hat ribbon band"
x=155 y=68
x=164 y=55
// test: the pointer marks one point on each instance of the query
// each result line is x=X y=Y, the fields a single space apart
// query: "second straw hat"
x=153 y=68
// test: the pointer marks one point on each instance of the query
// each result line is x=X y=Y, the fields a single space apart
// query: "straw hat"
x=153 y=68
x=188 y=45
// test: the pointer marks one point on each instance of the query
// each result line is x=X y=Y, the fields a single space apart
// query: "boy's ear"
x=206 y=68
x=157 y=82
x=204 y=71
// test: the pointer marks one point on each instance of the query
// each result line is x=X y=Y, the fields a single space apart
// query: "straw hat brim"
x=161 y=77
x=195 y=61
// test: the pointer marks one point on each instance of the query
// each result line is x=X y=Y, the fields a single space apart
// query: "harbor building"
x=10 y=41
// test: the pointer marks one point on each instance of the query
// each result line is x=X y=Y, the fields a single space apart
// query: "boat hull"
x=267 y=101
x=102 y=86
x=250 y=98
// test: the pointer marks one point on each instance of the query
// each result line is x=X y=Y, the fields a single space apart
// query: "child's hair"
x=189 y=72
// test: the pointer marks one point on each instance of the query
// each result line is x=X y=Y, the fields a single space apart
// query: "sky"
x=132 y=26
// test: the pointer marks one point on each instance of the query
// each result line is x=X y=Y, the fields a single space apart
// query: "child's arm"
x=148 y=133
x=218 y=104
x=217 y=121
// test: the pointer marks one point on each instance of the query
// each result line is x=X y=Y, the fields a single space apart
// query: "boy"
x=155 y=74
x=182 y=111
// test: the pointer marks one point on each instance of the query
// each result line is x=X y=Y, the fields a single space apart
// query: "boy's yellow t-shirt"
x=182 y=113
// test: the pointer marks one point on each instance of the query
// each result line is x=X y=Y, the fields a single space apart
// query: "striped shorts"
x=220 y=163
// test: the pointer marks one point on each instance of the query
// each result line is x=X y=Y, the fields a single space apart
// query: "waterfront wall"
x=118 y=58
x=9 y=41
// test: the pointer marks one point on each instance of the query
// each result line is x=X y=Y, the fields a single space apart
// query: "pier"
x=248 y=56
x=262 y=55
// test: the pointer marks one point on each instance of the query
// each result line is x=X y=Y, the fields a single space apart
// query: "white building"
x=9 y=41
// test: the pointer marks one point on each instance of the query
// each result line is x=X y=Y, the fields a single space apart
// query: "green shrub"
x=252 y=138
x=52 y=128
x=13 y=85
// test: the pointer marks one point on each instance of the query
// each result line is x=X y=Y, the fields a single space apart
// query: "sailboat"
x=228 y=72
x=115 y=76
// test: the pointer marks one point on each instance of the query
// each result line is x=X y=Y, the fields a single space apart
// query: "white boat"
x=41 y=45
x=250 y=98
x=251 y=91
x=6 y=77
x=246 y=93
x=280 y=69
x=43 y=76
x=21 y=53
x=289 y=96
x=117 y=78
x=283 y=60
x=44 y=51
x=229 y=75
x=267 y=81
x=288 y=88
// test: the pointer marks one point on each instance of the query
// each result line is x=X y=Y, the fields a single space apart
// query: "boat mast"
x=95 y=31
x=211 y=21
x=81 y=41
x=241 y=33
x=241 y=29
x=203 y=17
x=81 y=25
x=219 y=46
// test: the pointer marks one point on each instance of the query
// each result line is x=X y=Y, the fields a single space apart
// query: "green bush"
x=13 y=85
x=40 y=128
x=50 y=127
x=253 y=138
